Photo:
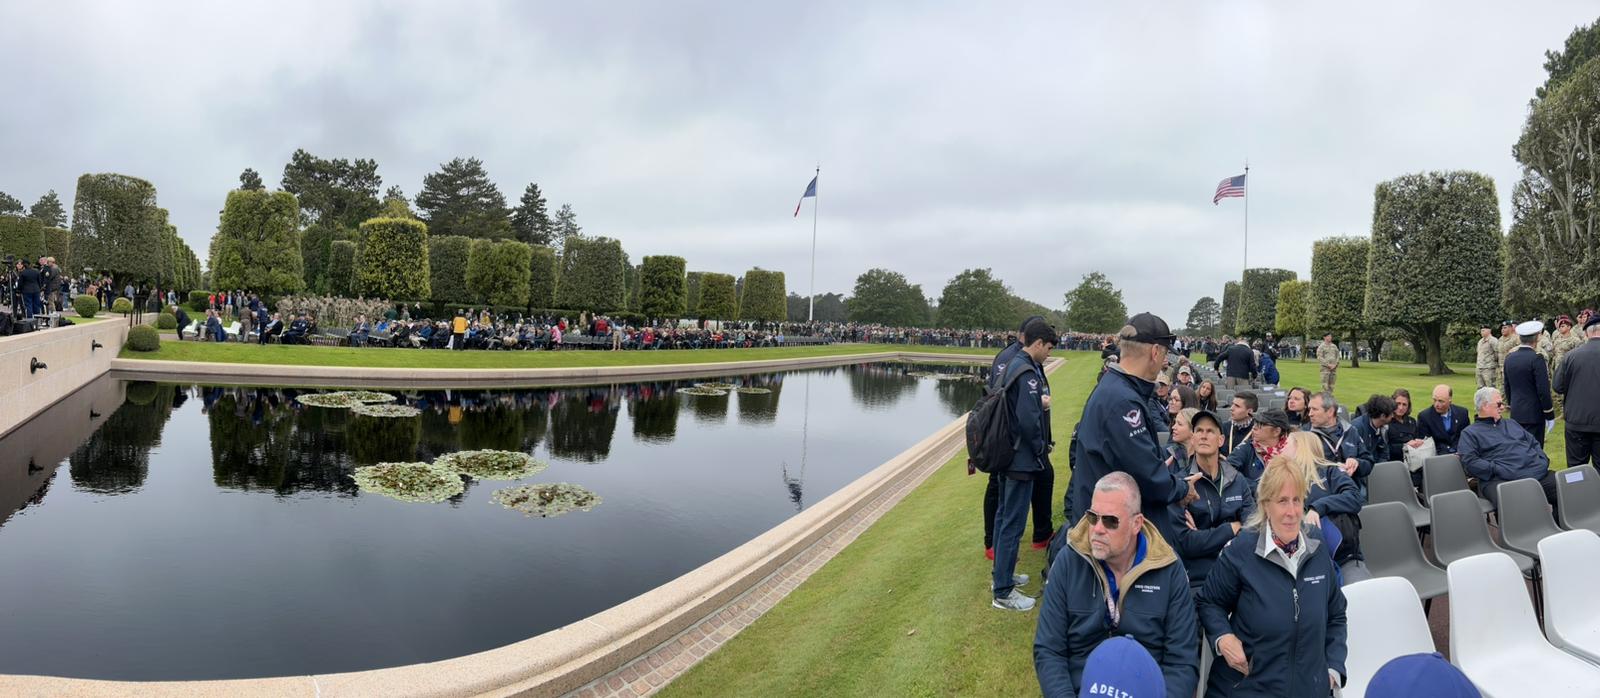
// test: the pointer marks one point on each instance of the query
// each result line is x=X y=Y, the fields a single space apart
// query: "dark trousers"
x=1536 y=428
x=1009 y=520
x=181 y=325
x=1581 y=447
x=1044 y=485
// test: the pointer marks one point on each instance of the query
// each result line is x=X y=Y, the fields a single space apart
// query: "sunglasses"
x=1111 y=522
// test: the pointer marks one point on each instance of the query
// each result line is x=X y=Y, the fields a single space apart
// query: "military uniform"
x=1488 y=363
x=1328 y=361
x=1562 y=343
x=1502 y=348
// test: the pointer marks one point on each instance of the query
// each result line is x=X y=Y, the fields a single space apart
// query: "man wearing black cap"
x=1115 y=432
x=1212 y=516
x=1578 y=379
x=1043 y=484
x=1527 y=379
x=1028 y=399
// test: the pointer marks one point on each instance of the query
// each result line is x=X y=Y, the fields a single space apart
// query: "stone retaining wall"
x=72 y=363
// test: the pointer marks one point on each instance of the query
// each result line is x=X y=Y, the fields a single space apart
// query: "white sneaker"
x=1014 y=602
x=1017 y=580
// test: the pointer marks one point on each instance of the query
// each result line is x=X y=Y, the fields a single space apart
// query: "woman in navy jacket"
x=1271 y=607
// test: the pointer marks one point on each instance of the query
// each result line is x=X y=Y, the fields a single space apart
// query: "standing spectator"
x=1114 y=553
x=1237 y=364
x=1496 y=450
x=1527 y=381
x=1578 y=380
x=28 y=287
x=50 y=284
x=1328 y=362
x=991 y=492
x=458 y=331
x=1488 y=359
x=1029 y=399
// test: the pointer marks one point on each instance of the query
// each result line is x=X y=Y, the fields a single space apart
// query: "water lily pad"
x=333 y=400
x=699 y=390
x=755 y=391
x=410 y=482
x=716 y=386
x=492 y=465
x=546 y=500
x=386 y=410
x=368 y=396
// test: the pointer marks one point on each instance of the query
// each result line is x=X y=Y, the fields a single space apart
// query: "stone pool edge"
x=568 y=658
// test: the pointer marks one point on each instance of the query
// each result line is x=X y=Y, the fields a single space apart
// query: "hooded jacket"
x=1154 y=606
x=1030 y=423
x=1222 y=501
x=1115 y=434
x=1292 y=627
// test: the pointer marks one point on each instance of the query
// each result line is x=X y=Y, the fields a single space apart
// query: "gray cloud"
x=1039 y=139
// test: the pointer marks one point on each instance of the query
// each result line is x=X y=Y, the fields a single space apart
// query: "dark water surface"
x=161 y=531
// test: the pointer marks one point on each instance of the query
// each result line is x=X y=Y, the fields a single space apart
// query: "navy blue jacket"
x=1338 y=494
x=1156 y=609
x=1370 y=448
x=997 y=370
x=1223 y=501
x=1528 y=386
x=1157 y=409
x=1269 y=369
x=1498 y=451
x=1245 y=460
x=1292 y=627
x=1235 y=435
x=1115 y=434
x=1430 y=424
x=1237 y=361
x=1030 y=423
x=182 y=318
x=1339 y=443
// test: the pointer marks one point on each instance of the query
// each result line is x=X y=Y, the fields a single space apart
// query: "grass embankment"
x=379 y=357
x=76 y=320
x=904 y=610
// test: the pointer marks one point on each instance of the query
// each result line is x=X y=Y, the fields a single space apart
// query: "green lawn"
x=904 y=610
x=76 y=320
x=375 y=357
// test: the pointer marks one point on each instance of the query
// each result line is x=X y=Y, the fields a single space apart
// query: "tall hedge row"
x=117 y=227
x=447 y=258
x=764 y=298
x=393 y=260
x=541 y=277
x=593 y=275
x=661 y=293
x=342 y=268
x=497 y=271
x=257 y=245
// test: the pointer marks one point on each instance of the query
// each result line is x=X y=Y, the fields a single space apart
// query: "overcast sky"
x=1041 y=140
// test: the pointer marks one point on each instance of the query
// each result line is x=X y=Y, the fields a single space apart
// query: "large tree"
x=1339 y=287
x=718 y=301
x=49 y=211
x=1203 y=317
x=336 y=191
x=250 y=180
x=593 y=276
x=1582 y=45
x=395 y=204
x=1228 y=316
x=974 y=299
x=1292 y=309
x=542 y=278
x=10 y=205
x=117 y=227
x=460 y=199
x=661 y=287
x=447 y=273
x=342 y=269
x=1258 y=300
x=1554 y=245
x=316 y=248
x=257 y=245
x=885 y=297
x=1095 y=305
x=1435 y=258
x=497 y=272
x=566 y=227
x=762 y=300
x=393 y=261
x=530 y=220
x=827 y=307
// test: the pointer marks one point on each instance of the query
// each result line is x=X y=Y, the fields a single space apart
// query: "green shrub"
x=144 y=338
x=122 y=305
x=166 y=321
x=87 y=306
x=199 y=301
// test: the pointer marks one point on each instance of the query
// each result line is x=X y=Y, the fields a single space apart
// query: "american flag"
x=1232 y=186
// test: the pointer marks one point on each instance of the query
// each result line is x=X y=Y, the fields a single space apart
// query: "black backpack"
x=989 y=439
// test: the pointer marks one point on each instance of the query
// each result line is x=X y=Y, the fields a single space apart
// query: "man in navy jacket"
x=1444 y=423
x=1496 y=450
x=1028 y=398
x=1528 y=383
x=1043 y=487
x=1116 y=576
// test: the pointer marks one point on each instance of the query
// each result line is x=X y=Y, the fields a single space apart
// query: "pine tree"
x=566 y=227
x=531 y=220
x=395 y=204
x=9 y=205
x=249 y=180
x=460 y=199
x=48 y=209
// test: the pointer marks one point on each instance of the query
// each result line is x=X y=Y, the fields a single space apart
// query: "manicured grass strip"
x=904 y=609
x=77 y=320
x=379 y=357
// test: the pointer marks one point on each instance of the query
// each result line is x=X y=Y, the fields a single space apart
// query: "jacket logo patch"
x=1315 y=580
x=1148 y=588
x=1033 y=384
x=1235 y=498
x=1134 y=418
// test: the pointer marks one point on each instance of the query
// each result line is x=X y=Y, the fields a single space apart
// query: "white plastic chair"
x=1571 y=608
x=232 y=331
x=1495 y=639
x=1384 y=620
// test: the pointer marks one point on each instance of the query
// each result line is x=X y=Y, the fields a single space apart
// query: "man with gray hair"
x=1497 y=450
x=1117 y=576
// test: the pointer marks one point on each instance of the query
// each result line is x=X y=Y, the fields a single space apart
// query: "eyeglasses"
x=1111 y=522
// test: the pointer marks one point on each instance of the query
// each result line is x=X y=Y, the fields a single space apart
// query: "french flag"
x=811 y=193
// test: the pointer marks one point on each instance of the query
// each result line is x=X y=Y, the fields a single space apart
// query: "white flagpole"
x=1246 y=214
x=811 y=301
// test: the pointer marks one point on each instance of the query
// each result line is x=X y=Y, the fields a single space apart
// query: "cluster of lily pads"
x=441 y=480
x=702 y=391
x=748 y=390
x=344 y=399
x=386 y=410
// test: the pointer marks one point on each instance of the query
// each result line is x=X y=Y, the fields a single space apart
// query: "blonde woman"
x=1178 y=442
x=1270 y=606
x=1330 y=494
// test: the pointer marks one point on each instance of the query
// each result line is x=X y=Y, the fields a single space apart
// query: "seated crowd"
x=1219 y=544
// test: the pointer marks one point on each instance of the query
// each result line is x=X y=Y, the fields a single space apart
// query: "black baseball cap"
x=1204 y=414
x=1024 y=326
x=1593 y=320
x=1274 y=418
x=1148 y=329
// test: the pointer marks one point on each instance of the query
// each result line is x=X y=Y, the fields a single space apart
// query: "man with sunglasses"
x=1495 y=450
x=1028 y=398
x=1118 y=577
x=1115 y=432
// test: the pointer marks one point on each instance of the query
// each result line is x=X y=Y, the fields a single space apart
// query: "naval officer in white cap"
x=1527 y=381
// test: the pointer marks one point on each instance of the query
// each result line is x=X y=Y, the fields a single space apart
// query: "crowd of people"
x=1227 y=531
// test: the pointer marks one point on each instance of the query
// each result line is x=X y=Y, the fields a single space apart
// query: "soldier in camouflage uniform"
x=1565 y=340
x=1508 y=341
x=1488 y=359
x=1328 y=361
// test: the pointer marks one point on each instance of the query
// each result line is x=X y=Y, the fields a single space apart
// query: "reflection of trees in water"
x=879 y=384
x=960 y=395
x=582 y=424
x=655 y=413
x=263 y=440
x=763 y=408
x=495 y=428
x=708 y=409
x=376 y=440
x=116 y=458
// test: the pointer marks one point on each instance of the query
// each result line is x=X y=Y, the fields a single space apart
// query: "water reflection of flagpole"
x=797 y=485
